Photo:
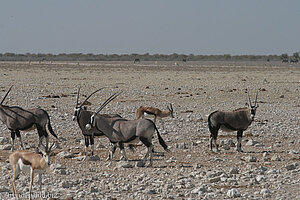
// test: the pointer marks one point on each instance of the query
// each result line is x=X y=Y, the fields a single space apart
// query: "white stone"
x=234 y=170
x=265 y=192
x=275 y=158
x=233 y=193
x=251 y=143
x=213 y=174
x=65 y=154
x=93 y=158
x=251 y=159
x=260 y=178
x=124 y=164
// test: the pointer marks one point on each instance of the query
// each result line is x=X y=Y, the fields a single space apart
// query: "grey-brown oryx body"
x=83 y=117
x=18 y=119
x=122 y=131
x=238 y=120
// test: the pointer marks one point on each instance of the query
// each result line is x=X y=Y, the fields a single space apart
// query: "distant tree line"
x=143 y=57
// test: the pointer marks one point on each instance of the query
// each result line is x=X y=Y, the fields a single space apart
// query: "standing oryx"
x=18 y=119
x=83 y=117
x=158 y=114
x=122 y=131
x=237 y=120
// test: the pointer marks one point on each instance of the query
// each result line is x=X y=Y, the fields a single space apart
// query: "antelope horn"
x=249 y=98
x=77 y=97
x=41 y=149
x=256 y=98
x=171 y=106
x=112 y=97
x=89 y=97
x=6 y=95
x=51 y=146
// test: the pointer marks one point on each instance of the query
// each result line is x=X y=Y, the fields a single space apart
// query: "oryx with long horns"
x=18 y=119
x=83 y=117
x=229 y=121
x=122 y=131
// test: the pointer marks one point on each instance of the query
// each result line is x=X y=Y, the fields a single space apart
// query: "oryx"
x=18 y=119
x=83 y=117
x=237 y=120
x=122 y=131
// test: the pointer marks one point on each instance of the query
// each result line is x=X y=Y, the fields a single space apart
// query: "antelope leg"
x=13 y=135
x=121 y=145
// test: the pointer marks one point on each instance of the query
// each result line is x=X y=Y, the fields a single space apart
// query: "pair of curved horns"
x=86 y=98
x=250 y=100
x=112 y=97
x=47 y=149
x=6 y=95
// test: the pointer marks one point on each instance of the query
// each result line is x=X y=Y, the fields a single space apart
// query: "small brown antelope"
x=158 y=114
x=238 y=120
x=22 y=160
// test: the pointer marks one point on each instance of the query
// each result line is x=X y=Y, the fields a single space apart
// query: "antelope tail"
x=161 y=140
x=211 y=128
x=50 y=127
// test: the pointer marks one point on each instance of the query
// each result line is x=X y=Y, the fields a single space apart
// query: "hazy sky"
x=150 y=26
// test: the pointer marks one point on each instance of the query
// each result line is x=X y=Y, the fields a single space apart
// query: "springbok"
x=229 y=121
x=158 y=114
x=83 y=117
x=122 y=131
x=18 y=119
x=27 y=161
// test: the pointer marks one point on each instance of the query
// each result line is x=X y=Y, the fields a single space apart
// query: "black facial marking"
x=253 y=110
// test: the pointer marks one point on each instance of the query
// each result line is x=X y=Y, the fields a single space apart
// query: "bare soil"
x=195 y=89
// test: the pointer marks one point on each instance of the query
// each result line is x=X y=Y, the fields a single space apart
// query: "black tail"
x=211 y=128
x=209 y=123
x=161 y=140
x=49 y=126
x=50 y=129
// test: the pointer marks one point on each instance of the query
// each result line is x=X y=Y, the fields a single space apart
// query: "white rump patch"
x=23 y=167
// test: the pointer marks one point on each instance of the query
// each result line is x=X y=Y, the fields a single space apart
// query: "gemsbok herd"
x=118 y=130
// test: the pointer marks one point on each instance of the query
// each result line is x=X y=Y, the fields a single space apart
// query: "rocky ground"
x=268 y=167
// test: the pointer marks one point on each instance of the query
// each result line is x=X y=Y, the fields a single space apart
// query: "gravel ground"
x=268 y=167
